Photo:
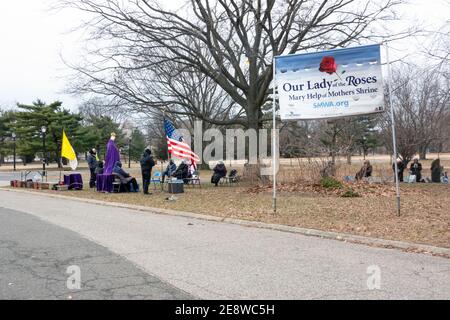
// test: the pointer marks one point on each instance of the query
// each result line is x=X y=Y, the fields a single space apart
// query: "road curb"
x=375 y=242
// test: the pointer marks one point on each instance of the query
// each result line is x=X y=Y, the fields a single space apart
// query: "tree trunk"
x=253 y=171
x=333 y=150
x=423 y=153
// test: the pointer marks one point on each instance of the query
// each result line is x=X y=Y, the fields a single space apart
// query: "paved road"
x=218 y=260
x=36 y=256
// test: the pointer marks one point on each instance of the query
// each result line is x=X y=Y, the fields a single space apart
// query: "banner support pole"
x=274 y=157
x=394 y=134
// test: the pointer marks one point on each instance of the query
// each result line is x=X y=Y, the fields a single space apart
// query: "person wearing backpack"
x=147 y=164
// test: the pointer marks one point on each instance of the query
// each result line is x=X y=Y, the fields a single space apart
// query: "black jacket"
x=182 y=171
x=220 y=170
x=416 y=170
x=147 y=162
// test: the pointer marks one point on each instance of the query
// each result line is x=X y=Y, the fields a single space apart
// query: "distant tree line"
x=88 y=128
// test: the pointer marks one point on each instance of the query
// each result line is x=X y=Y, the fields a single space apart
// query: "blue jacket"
x=118 y=169
x=171 y=168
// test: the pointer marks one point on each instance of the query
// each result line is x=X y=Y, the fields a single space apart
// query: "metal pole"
x=14 y=153
x=274 y=141
x=43 y=153
x=129 y=153
x=394 y=134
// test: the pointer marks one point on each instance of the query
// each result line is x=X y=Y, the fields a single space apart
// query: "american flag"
x=176 y=145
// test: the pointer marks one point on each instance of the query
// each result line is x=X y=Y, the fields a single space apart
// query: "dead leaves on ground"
x=364 y=189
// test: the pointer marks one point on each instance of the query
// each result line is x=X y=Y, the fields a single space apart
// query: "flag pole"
x=165 y=132
x=274 y=158
x=394 y=134
x=60 y=159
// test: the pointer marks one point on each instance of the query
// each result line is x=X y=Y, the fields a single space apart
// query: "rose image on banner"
x=308 y=89
x=328 y=65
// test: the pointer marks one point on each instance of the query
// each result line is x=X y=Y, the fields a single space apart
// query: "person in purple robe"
x=112 y=155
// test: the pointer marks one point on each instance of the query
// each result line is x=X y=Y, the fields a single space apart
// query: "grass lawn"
x=425 y=208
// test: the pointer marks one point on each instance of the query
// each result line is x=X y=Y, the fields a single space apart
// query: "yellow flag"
x=68 y=152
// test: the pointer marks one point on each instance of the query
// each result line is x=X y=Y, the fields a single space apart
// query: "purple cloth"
x=105 y=183
x=74 y=181
x=112 y=156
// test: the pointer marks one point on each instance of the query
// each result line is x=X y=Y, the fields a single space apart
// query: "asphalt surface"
x=214 y=260
x=38 y=258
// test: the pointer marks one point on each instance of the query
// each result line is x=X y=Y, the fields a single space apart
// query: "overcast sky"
x=33 y=39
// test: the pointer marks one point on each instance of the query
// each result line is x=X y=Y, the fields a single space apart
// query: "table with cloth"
x=105 y=183
x=74 y=181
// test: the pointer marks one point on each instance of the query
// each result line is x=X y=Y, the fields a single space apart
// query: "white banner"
x=330 y=84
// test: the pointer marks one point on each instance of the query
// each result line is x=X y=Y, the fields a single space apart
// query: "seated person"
x=365 y=172
x=233 y=175
x=170 y=170
x=220 y=171
x=182 y=172
x=445 y=178
x=127 y=180
x=99 y=169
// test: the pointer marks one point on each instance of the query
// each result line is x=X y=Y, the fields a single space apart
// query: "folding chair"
x=117 y=184
x=156 y=179
x=195 y=179
x=230 y=179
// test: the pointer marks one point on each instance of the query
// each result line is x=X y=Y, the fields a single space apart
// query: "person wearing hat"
x=147 y=164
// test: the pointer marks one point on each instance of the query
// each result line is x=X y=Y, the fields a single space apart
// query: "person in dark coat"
x=182 y=172
x=436 y=171
x=220 y=171
x=416 y=169
x=147 y=164
x=92 y=164
x=401 y=168
x=170 y=170
x=365 y=172
x=125 y=177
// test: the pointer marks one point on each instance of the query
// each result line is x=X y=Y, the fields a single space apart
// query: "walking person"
x=147 y=164
x=92 y=163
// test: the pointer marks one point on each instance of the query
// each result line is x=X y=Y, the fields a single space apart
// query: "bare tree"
x=232 y=42
x=421 y=108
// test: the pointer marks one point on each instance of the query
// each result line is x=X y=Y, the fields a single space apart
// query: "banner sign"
x=330 y=84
